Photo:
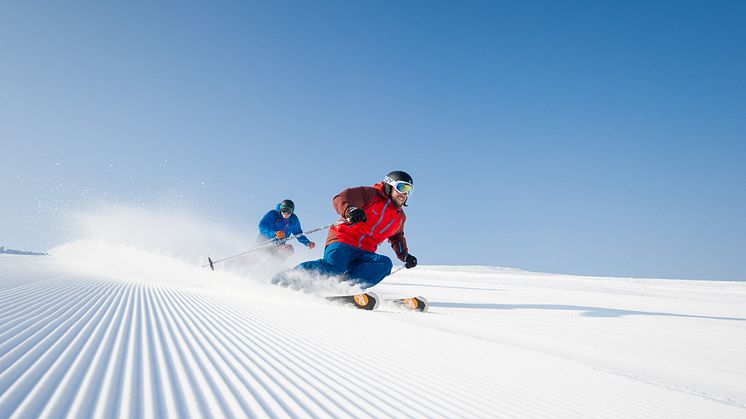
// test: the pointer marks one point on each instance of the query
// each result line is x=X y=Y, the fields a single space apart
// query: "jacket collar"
x=381 y=191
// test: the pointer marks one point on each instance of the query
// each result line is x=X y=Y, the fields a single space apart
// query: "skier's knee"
x=388 y=265
x=382 y=268
x=321 y=267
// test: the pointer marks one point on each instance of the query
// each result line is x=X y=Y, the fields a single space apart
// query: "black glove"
x=356 y=215
x=410 y=262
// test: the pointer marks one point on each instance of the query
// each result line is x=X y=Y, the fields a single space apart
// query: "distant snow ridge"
x=186 y=342
x=19 y=252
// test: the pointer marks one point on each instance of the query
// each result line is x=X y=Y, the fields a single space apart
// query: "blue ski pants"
x=357 y=265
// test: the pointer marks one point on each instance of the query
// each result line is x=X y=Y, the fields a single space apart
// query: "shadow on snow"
x=587 y=311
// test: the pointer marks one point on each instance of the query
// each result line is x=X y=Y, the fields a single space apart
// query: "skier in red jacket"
x=374 y=213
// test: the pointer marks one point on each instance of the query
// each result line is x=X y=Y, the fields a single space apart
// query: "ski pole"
x=396 y=270
x=211 y=263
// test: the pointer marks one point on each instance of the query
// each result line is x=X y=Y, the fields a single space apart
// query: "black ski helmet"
x=396 y=175
x=287 y=204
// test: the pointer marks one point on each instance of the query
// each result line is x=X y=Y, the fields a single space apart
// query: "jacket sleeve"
x=297 y=229
x=267 y=225
x=399 y=243
x=353 y=197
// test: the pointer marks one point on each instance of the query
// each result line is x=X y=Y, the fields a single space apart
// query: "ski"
x=364 y=301
x=371 y=301
x=418 y=303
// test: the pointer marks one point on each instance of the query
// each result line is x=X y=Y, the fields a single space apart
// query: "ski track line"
x=84 y=353
x=277 y=368
x=133 y=402
x=206 y=374
x=228 y=356
x=24 y=301
x=36 y=367
x=210 y=381
x=20 y=285
x=24 y=311
x=194 y=384
x=257 y=400
x=83 y=400
x=45 y=328
x=307 y=377
x=111 y=392
x=192 y=309
x=265 y=337
x=305 y=389
x=37 y=316
x=312 y=359
x=244 y=385
x=130 y=397
x=20 y=295
x=290 y=366
x=70 y=343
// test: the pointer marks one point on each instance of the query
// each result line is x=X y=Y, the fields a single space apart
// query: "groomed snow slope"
x=102 y=337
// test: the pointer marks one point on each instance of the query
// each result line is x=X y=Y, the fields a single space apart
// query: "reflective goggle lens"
x=286 y=210
x=404 y=187
x=400 y=185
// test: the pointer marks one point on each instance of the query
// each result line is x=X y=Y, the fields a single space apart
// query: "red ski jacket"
x=384 y=220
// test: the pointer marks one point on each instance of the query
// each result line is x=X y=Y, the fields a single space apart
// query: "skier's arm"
x=266 y=225
x=297 y=229
x=399 y=244
x=353 y=197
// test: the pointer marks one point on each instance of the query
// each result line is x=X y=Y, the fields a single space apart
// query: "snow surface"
x=108 y=329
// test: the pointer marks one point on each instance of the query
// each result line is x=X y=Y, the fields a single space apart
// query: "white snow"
x=106 y=329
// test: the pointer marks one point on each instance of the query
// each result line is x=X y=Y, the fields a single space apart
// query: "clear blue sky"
x=593 y=137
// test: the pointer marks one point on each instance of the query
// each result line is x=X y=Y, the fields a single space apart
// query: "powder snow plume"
x=168 y=245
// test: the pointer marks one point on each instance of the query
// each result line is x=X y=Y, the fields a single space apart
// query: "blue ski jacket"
x=273 y=221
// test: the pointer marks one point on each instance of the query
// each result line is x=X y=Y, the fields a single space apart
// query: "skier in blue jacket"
x=280 y=223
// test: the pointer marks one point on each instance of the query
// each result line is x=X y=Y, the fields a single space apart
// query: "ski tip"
x=376 y=299
x=426 y=304
x=418 y=303
x=212 y=265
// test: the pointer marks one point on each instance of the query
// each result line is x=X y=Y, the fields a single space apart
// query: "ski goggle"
x=286 y=210
x=400 y=185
